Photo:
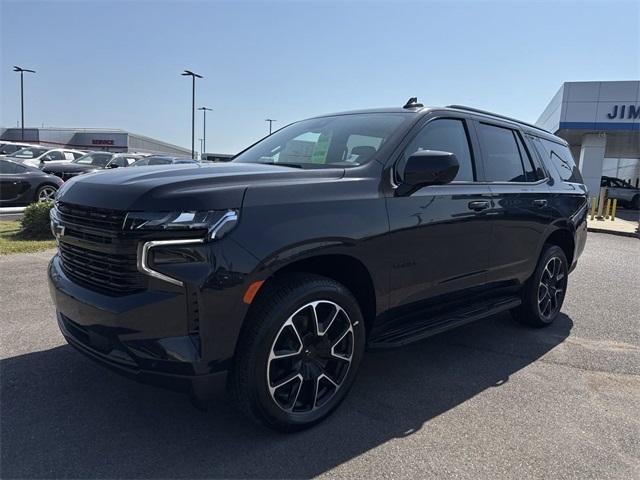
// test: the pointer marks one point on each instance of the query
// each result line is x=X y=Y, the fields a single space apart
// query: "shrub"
x=35 y=222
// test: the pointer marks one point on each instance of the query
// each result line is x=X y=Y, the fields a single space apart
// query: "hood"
x=181 y=187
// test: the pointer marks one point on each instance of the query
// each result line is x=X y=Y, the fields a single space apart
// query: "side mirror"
x=113 y=165
x=429 y=167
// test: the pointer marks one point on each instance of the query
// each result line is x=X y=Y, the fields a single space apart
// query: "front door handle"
x=540 y=203
x=479 y=205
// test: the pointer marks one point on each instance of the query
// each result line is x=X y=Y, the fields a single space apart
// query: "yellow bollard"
x=594 y=202
x=608 y=209
x=613 y=209
x=603 y=195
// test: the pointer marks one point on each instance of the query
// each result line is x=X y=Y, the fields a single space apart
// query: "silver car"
x=628 y=196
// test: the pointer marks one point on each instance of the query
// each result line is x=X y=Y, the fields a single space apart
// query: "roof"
x=530 y=128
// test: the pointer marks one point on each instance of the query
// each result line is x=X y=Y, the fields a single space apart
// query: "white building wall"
x=590 y=103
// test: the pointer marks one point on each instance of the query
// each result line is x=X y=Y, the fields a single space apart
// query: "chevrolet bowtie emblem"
x=58 y=230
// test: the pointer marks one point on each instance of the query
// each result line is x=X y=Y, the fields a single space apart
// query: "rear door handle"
x=540 y=203
x=479 y=205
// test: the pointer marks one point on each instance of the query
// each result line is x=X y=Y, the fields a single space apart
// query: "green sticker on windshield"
x=321 y=149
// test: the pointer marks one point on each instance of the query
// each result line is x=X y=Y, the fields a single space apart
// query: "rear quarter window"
x=559 y=157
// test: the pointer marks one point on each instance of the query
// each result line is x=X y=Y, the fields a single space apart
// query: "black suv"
x=272 y=273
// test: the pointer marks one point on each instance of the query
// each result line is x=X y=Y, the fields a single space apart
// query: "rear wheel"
x=46 y=193
x=299 y=353
x=544 y=292
x=635 y=203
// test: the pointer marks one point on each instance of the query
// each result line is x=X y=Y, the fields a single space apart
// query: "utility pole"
x=204 y=127
x=189 y=73
x=22 y=71
x=270 y=120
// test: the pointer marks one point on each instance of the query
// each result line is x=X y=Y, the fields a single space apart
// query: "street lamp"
x=204 y=127
x=188 y=73
x=201 y=147
x=22 y=70
x=270 y=120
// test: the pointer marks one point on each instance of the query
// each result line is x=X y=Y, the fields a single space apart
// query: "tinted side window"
x=560 y=157
x=101 y=159
x=502 y=159
x=55 y=155
x=8 y=167
x=160 y=161
x=447 y=135
x=6 y=149
x=529 y=170
x=120 y=161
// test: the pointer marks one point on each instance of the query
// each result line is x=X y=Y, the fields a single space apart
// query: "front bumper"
x=148 y=336
x=200 y=386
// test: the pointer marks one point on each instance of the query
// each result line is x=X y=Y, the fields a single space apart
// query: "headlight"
x=216 y=222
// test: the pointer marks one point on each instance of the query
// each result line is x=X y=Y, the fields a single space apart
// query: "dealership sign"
x=624 y=112
x=97 y=141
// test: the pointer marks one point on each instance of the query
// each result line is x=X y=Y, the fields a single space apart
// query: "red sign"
x=101 y=142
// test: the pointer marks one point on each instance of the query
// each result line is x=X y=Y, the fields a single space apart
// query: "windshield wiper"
x=283 y=164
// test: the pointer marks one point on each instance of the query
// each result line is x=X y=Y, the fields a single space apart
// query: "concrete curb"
x=11 y=210
x=613 y=232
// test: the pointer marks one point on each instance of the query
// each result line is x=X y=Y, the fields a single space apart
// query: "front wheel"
x=299 y=353
x=544 y=292
x=46 y=193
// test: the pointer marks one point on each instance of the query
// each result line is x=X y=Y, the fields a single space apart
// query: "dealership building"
x=111 y=140
x=601 y=122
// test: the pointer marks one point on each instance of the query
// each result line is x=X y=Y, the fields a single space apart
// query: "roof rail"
x=485 y=112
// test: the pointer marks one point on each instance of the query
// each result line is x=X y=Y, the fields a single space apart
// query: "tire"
x=635 y=202
x=544 y=292
x=286 y=375
x=46 y=193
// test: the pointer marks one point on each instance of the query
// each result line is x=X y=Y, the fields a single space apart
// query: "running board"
x=419 y=328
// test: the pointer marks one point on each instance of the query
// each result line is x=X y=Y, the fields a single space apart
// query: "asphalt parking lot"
x=490 y=400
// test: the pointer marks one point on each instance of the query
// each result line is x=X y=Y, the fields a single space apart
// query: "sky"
x=117 y=64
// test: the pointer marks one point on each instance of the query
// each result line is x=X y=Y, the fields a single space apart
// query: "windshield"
x=153 y=161
x=28 y=153
x=7 y=148
x=340 y=141
x=96 y=159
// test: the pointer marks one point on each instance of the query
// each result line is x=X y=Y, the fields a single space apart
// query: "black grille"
x=95 y=252
x=103 y=271
x=110 y=220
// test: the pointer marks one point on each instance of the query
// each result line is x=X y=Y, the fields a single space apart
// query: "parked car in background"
x=90 y=162
x=22 y=184
x=216 y=157
x=162 y=160
x=7 y=148
x=38 y=156
x=271 y=273
x=627 y=195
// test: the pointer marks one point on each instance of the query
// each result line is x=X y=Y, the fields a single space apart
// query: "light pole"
x=22 y=70
x=204 y=127
x=189 y=73
x=201 y=147
x=270 y=120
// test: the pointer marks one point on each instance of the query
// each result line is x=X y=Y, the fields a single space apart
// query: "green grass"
x=11 y=240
